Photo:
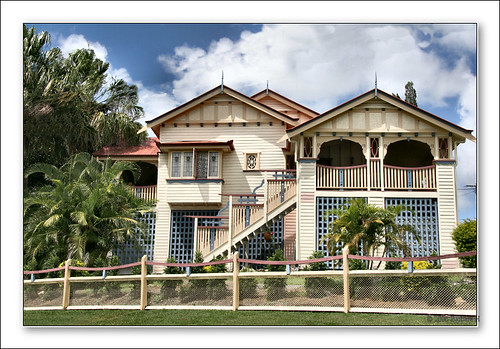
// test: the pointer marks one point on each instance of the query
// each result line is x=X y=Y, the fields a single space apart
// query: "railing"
x=147 y=192
x=432 y=291
x=394 y=178
x=416 y=178
x=352 y=177
x=211 y=237
x=245 y=215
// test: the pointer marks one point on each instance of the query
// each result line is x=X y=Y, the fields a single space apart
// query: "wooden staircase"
x=248 y=215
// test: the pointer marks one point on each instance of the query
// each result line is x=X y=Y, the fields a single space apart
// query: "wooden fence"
x=432 y=291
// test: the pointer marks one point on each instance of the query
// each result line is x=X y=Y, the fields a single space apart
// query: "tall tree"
x=367 y=227
x=70 y=103
x=83 y=212
x=410 y=94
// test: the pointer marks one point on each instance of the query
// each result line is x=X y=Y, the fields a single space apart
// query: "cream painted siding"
x=181 y=192
x=306 y=240
x=162 y=229
x=447 y=210
x=377 y=201
x=246 y=139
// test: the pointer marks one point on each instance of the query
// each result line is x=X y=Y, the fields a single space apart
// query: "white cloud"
x=78 y=41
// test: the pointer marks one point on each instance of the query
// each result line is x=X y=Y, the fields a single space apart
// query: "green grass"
x=231 y=318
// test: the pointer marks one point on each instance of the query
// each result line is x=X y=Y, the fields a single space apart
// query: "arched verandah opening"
x=341 y=153
x=408 y=154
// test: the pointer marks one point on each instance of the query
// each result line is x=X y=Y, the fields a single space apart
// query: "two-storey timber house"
x=232 y=169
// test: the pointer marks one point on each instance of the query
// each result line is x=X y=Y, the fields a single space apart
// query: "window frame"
x=194 y=161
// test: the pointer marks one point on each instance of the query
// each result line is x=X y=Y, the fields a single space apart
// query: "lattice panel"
x=414 y=292
x=323 y=205
x=130 y=253
x=259 y=248
x=424 y=219
x=292 y=291
x=182 y=232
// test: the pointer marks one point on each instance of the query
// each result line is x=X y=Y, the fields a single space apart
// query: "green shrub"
x=465 y=237
x=216 y=288
x=169 y=287
x=248 y=287
x=317 y=287
x=275 y=287
x=392 y=265
x=195 y=289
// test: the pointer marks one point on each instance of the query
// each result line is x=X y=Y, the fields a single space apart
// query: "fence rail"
x=452 y=292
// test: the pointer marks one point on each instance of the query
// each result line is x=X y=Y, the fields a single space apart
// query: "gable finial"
x=376 y=85
x=222 y=83
x=267 y=88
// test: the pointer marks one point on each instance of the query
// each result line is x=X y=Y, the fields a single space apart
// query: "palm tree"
x=83 y=212
x=362 y=226
x=71 y=105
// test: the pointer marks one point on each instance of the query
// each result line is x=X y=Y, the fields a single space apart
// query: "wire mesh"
x=191 y=292
x=106 y=292
x=413 y=291
x=43 y=295
x=291 y=291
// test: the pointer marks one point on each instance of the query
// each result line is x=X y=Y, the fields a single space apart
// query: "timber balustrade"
x=392 y=177
x=147 y=192
x=429 y=291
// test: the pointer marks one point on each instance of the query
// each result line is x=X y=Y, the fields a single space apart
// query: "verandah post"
x=236 y=282
x=144 y=284
x=195 y=236
x=67 y=273
x=345 y=268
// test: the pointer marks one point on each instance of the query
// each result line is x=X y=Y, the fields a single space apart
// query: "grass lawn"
x=231 y=318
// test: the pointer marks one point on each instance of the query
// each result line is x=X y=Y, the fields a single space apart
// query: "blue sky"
x=318 y=65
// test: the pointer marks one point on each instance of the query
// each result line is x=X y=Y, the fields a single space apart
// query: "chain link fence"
x=451 y=292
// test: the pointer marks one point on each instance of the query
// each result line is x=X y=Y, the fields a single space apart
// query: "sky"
x=318 y=68
x=317 y=65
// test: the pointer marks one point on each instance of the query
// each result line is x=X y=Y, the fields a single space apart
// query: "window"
x=176 y=164
x=252 y=161
x=195 y=164
x=213 y=164
x=188 y=165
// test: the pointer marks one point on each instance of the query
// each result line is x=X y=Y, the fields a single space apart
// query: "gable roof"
x=221 y=89
x=285 y=100
x=410 y=108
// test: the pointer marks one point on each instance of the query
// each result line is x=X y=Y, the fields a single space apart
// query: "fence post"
x=236 y=281
x=144 y=284
x=345 y=268
x=67 y=273
x=230 y=232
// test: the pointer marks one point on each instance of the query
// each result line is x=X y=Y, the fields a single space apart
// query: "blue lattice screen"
x=130 y=253
x=424 y=219
x=182 y=232
x=324 y=205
